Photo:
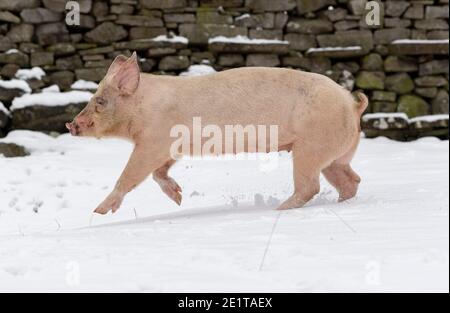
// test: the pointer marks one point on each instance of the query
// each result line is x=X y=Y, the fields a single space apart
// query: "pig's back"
x=262 y=96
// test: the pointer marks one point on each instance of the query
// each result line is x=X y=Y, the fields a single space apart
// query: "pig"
x=318 y=121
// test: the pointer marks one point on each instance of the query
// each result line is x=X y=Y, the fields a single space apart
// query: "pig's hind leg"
x=167 y=184
x=343 y=178
x=308 y=163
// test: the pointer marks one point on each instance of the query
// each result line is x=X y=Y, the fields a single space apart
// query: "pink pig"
x=317 y=120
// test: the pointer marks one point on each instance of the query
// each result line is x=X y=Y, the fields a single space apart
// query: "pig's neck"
x=132 y=123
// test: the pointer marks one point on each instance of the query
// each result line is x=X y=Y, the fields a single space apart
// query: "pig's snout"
x=79 y=126
x=73 y=128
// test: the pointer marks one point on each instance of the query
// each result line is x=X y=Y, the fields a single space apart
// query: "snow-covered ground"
x=393 y=237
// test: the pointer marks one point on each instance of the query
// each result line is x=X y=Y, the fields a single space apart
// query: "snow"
x=350 y=48
x=52 y=88
x=245 y=40
x=35 y=72
x=243 y=16
x=429 y=118
x=389 y=116
x=394 y=236
x=55 y=99
x=15 y=84
x=198 y=70
x=84 y=84
x=12 y=51
x=173 y=39
x=420 y=41
x=3 y=108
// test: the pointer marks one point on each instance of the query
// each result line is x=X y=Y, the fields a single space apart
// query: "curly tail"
x=361 y=106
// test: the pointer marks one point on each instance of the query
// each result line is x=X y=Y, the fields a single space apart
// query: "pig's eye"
x=100 y=101
x=99 y=104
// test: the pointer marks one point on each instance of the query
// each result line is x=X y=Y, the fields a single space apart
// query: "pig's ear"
x=115 y=65
x=127 y=76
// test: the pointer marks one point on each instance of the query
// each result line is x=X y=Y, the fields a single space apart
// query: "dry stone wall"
x=402 y=64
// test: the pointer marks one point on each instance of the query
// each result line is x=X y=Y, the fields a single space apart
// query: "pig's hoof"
x=294 y=202
x=349 y=190
x=173 y=194
x=177 y=198
x=173 y=190
x=111 y=203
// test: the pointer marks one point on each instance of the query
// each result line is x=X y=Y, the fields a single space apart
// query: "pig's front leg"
x=167 y=184
x=141 y=163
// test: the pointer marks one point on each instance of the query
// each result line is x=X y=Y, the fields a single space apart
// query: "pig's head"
x=106 y=112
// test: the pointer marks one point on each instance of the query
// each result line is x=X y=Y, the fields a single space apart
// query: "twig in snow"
x=270 y=240
x=20 y=230
x=135 y=213
x=342 y=220
x=90 y=220
x=59 y=225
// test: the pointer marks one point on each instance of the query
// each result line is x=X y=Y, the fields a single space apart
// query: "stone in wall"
x=6 y=43
x=434 y=67
x=308 y=6
x=370 y=80
x=52 y=33
x=9 y=70
x=400 y=83
x=163 y=4
x=265 y=20
x=440 y=104
x=18 y=58
x=426 y=92
x=270 y=5
x=372 y=62
x=231 y=60
x=21 y=33
x=18 y=5
x=431 y=81
x=300 y=42
x=106 y=33
x=232 y=47
x=400 y=64
x=45 y=118
x=90 y=74
x=396 y=8
x=348 y=38
x=174 y=63
x=41 y=58
x=413 y=106
x=64 y=79
x=307 y=26
x=419 y=49
x=312 y=64
x=39 y=16
x=386 y=36
x=267 y=60
x=319 y=34
x=199 y=34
